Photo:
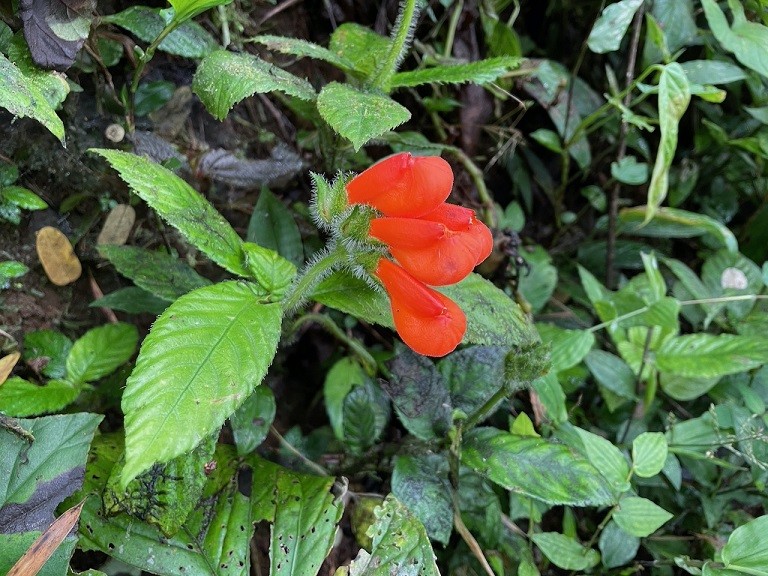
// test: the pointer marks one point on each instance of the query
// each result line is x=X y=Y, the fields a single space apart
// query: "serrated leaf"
x=747 y=40
x=22 y=98
x=472 y=375
x=569 y=347
x=189 y=39
x=535 y=467
x=360 y=45
x=479 y=72
x=273 y=272
x=674 y=96
x=639 y=517
x=400 y=545
x=224 y=78
x=359 y=116
x=649 y=453
x=184 y=208
x=303 y=48
x=203 y=357
x=272 y=226
x=565 y=552
x=19 y=398
x=747 y=547
x=365 y=415
x=49 y=348
x=421 y=483
x=100 y=351
x=612 y=25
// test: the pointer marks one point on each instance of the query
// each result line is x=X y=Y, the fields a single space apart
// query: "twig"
x=613 y=200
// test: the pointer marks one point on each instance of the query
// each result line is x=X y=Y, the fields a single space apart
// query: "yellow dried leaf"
x=117 y=226
x=6 y=365
x=57 y=256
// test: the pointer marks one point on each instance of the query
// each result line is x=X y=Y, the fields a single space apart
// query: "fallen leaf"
x=117 y=226
x=57 y=256
x=6 y=365
x=44 y=547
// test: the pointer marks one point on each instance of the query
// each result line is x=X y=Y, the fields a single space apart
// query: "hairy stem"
x=401 y=36
x=312 y=274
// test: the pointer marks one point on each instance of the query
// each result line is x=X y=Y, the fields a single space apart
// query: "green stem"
x=313 y=273
x=485 y=410
x=489 y=210
x=293 y=450
x=327 y=323
x=399 y=44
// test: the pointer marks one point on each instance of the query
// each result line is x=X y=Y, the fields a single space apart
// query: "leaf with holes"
x=203 y=357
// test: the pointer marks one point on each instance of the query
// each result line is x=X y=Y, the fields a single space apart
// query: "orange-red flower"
x=433 y=242
x=440 y=248
x=403 y=185
x=428 y=322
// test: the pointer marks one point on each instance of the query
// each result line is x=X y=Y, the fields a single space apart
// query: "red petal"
x=407 y=232
x=479 y=238
x=403 y=185
x=428 y=322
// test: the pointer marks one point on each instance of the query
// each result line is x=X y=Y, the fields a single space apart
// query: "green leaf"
x=251 y=422
x=708 y=355
x=480 y=72
x=421 y=483
x=50 y=348
x=678 y=25
x=35 y=477
x=184 y=208
x=186 y=9
x=400 y=545
x=339 y=381
x=419 y=395
x=101 y=351
x=361 y=46
x=612 y=373
x=273 y=272
x=345 y=292
x=674 y=96
x=569 y=347
x=304 y=512
x=747 y=40
x=712 y=72
x=549 y=139
x=365 y=416
x=23 y=198
x=607 y=458
x=223 y=79
x=22 y=98
x=359 y=116
x=612 y=25
x=675 y=223
x=189 y=40
x=747 y=547
x=272 y=226
x=133 y=300
x=203 y=357
x=538 y=285
x=649 y=453
x=535 y=467
x=565 y=552
x=629 y=171
x=19 y=398
x=302 y=48
x=11 y=269
x=472 y=375
x=550 y=394
x=616 y=546
x=639 y=517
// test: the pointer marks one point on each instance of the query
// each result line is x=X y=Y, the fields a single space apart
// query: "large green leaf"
x=674 y=96
x=535 y=467
x=479 y=72
x=400 y=545
x=709 y=355
x=747 y=548
x=421 y=483
x=359 y=45
x=203 y=357
x=22 y=98
x=604 y=456
x=304 y=511
x=565 y=552
x=747 y=40
x=156 y=272
x=224 y=78
x=272 y=226
x=612 y=25
x=35 y=477
x=359 y=116
x=100 y=351
x=183 y=207
x=20 y=398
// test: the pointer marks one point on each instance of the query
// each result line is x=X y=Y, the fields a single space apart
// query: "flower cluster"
x=434 y=243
